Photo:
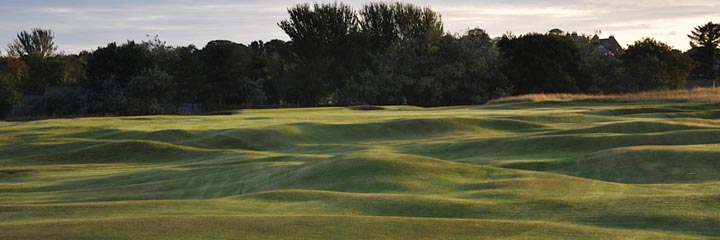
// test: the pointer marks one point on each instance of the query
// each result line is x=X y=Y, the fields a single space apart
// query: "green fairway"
x=511 y=170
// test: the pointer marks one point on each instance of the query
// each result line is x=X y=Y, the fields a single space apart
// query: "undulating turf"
x=510 y=170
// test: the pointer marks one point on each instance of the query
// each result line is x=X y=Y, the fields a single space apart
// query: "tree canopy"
x=541 y=63
x=380 y=53
x=654 y=65
x=705 y=40
x=38 y=43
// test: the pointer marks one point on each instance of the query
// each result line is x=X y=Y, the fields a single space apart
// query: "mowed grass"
x=510 y=170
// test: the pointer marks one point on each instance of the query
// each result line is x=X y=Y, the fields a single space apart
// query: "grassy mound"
x=89 y=152
x=645 y=164
x=635 y=127
x=554 y=146
x=387 y=172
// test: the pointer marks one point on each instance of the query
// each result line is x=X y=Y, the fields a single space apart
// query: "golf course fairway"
x=511 y=170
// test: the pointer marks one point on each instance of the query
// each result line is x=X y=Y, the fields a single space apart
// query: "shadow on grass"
x=700 y=226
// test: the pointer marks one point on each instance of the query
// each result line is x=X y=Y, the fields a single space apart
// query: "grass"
x=591 y=169
x=697 y=94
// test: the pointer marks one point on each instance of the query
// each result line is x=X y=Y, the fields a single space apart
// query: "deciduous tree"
x=705 y=40
x=654 y=65
x=541 y=63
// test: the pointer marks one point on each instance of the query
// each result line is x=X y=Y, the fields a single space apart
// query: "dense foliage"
x=382 y=53
x=652 y=65
x=705 y=40
x=539 y=63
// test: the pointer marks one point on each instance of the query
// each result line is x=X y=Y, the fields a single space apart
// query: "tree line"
x=382 y=53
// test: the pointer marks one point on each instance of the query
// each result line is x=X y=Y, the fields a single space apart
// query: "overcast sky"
x=87 y=24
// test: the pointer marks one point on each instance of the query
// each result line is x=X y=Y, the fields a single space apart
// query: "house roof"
x=610 y=44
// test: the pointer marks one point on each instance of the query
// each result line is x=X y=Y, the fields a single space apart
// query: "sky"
x=88 y=24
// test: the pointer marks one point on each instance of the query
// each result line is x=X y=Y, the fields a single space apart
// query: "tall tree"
x=469 y=69
x=38 y=43
x=147 y=90
x=384 y=25
x=270 y=62
x=322 y=36
x=654 y=65
x=11 y=71
x=419 y=24
x=541 y=63
x=227 y=66
x=110 y=70
x=705 y=40
x=37 y=49
x=388 y=23
x=401 y=49
x=73 y=68
x=378 y=24
x=118 y=63
x=189 y=74
x=601 y=72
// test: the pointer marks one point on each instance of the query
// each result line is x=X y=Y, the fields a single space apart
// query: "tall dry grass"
x=697 y=94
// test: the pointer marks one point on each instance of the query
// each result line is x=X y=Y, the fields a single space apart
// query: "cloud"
x=52 y=10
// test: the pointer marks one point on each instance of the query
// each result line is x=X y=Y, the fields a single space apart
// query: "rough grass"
x=694 y=95
x=512 y=170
